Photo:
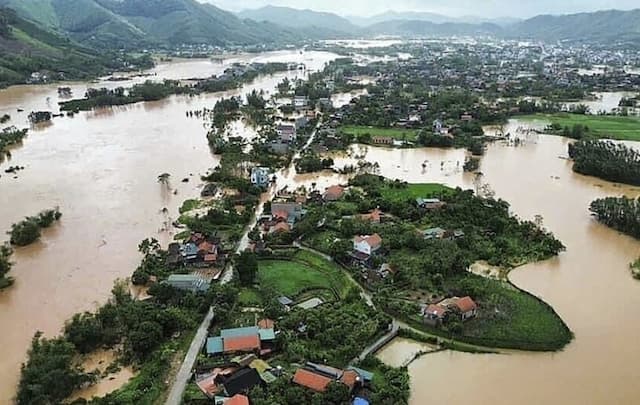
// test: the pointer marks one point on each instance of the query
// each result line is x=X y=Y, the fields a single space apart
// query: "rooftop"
x=311 y=380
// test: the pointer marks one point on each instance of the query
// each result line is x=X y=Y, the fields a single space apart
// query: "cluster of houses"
x=317 y=377
x=435 y=314
x=237 y=362
x=203 y=254
x=284 y=214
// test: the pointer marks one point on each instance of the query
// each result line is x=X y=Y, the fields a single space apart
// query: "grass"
x=610 y=127
x=413 y=191
x=249 y=297
x=508 y=318
x=304 y=272
x=395 y=133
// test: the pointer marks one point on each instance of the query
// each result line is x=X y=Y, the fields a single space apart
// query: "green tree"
x=247 y=266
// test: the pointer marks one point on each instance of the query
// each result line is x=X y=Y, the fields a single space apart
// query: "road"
x=184 y=374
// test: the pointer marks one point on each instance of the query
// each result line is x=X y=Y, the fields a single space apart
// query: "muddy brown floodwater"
x=101 y=168
x=589 y=285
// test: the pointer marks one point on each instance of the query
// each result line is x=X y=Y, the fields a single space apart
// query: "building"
x=434 y=233
x=241 y=381
x=300 y=101
x=286 y=132
x=367 y=244
x=251 y=339
x=317 y=377
x=374 y=216
x=188 y=282
x=466 y=307
x=430 y=203
x=382 y=140
x=289 y=211
x=333 y=193
x=434 y=314
x=260 y=176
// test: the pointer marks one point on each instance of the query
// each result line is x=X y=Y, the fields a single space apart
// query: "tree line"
x=619 y=213
x=29 y=229
x=607 y=160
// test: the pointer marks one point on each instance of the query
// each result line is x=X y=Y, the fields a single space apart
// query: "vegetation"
x=9 y=137
x=619 y=213
x=309 y=163
x=437 y=267
x=606 y=160
x=593 y=126
x=5 y=266
x=364 y=134
x=247 y=266
x=27 y=231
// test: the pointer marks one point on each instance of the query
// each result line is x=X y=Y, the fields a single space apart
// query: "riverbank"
x=597 y=126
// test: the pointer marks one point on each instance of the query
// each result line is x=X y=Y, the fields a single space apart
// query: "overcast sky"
x=484 y=8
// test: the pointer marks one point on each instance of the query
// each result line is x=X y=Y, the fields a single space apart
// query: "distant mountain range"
x=430 y=17
x=331 y=24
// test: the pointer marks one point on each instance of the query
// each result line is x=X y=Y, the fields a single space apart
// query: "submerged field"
x=612 y=127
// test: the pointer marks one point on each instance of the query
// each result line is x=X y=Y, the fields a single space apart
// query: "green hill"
x=26 y=48
x=305 y=20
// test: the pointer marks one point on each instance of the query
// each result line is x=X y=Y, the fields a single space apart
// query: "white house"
x=368 y=244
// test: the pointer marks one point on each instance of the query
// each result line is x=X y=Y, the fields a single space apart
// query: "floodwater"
x=589 y=285
x=101 y=169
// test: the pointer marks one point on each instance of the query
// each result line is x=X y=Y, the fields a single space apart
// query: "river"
x=101 y=169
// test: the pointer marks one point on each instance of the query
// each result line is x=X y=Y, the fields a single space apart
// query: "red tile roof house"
x=368 y=244
x=333 y=193
x=318 y=377
x=467 y=307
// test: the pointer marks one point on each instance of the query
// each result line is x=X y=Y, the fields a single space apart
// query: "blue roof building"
x=215 y=345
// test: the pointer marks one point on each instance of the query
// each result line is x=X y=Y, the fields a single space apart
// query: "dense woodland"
x=607 y=160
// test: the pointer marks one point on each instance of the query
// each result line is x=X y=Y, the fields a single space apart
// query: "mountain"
x=140 y=23
x=25 y=48
x=430 y=17
x=600 y=26
x=301 y=19
x=417 y=28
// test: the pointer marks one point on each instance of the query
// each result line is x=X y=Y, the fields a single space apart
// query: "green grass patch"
x=306 y=271
x=249 y=297
x=395 y=133
x=610 y=127
x=413 y=191
x=189 y=205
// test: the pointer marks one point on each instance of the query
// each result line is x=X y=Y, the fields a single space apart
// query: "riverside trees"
x=620 y=213
x=27 y=231
x=606 y=160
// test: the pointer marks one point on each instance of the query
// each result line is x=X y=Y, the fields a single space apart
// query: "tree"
x=247 y=266
x=142 y=340
x=24 y=232
x=336 y=393
x=164 y=179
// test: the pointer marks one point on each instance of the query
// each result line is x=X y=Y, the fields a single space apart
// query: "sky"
x=454 y=8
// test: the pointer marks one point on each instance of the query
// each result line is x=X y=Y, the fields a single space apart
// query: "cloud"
x=484 y=8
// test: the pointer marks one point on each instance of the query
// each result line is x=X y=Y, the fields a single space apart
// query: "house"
x=333 y=193
x=381 y=273
x=260 y=176
x=382 y=140
x=437 y=126
x=285 y=302
x=367 y=244
x=466 y=117
x=310 y=303
x=430 y=203
x=251 y=339
x=300 y=101
x=188 y=282
x=301 y=122
x=280 y=227
x=434 y=314
x=325 y=102
x=466 y=307
x=434 y=233
x=286 y=132
x=241 y=381
x=317 y=377
x=292 y=211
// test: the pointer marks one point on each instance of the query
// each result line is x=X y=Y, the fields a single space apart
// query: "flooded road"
x=101 y=169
